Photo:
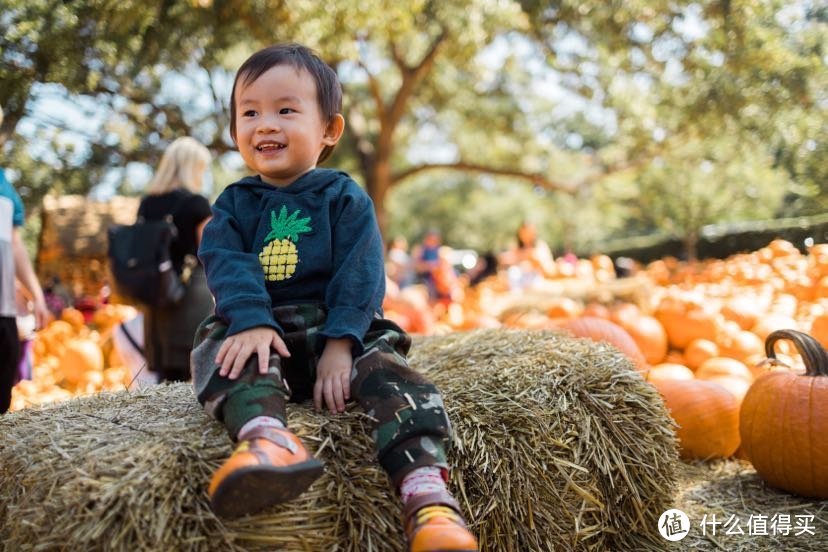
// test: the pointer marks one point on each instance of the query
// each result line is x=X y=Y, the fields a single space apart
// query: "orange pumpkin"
x=624 y=313
x=563 y=307
x=724 y=367
x=707 y=415
x=80 y=356
x=743 y=310
x=650 y=337
x=598 y=329
x=74 y=317
x=669 y=370
x=737 y=386
x=597 y=310
x=686 y=321
x=740 y=345
x=698 y=351
x=819 y=329
x=784 y=421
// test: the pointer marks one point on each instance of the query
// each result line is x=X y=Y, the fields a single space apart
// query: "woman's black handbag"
x=139 y=260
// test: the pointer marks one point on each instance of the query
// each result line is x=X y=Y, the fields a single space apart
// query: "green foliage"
x=653 y=115
x=476 y=213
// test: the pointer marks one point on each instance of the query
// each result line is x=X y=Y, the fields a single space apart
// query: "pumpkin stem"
x=813 y=354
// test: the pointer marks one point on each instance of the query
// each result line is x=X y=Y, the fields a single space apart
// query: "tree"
x=112 y=61
x=564 y=95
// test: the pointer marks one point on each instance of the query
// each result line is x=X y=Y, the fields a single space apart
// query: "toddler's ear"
x=334 y=130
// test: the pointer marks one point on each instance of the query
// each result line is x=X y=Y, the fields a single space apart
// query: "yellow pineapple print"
x=279 y=255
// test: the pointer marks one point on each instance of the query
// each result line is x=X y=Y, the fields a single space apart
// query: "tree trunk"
x=378 y=184
x=691 y=246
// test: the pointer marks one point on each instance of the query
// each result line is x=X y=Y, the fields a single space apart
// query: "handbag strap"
x=132 y=340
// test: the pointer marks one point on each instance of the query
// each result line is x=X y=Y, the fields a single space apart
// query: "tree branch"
x=536 y=179
x=411 y=77
x=373 y=86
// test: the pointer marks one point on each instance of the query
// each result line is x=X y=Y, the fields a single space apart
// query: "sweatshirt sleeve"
x=357 y=286
x=234 y=275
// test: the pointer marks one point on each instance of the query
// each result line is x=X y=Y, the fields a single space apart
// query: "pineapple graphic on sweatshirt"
x=279 y=255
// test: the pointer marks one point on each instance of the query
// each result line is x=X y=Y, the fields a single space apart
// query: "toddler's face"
x=279 y=128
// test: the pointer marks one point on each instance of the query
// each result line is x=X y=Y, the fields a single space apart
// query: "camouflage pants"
x=410 y=429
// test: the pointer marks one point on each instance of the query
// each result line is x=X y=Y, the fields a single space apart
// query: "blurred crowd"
x=431 y=282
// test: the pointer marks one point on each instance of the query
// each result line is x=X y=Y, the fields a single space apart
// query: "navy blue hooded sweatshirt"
x=328 y=250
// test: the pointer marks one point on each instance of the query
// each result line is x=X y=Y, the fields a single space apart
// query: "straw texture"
x=560 y=445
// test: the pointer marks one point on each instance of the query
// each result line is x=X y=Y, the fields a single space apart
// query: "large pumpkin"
x=707 y=415
x=784 y=420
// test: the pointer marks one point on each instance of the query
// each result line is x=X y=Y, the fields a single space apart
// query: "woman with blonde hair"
x=174 y=193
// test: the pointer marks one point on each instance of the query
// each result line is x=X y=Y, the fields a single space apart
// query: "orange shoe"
x=271 y=466
x=433 y=524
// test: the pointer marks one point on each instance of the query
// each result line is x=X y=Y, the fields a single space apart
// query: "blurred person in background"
x=26 y=327
x=398 y=264
x=426 y=257
x=529 y=259
x=14 y=263
x=175 y=190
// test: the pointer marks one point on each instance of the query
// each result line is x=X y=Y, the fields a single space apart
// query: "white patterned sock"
x=258 y=422
x=428 y=479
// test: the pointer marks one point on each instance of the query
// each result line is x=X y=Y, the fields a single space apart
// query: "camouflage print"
x=411 y=428
x=234 y=402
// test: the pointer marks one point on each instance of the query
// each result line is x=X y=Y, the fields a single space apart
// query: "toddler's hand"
x=236 y=349
x=333 y=376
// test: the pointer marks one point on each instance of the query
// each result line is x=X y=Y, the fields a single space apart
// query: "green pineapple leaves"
x=285 y=226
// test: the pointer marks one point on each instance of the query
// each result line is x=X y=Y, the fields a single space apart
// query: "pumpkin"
x=723 y=367
x=597 y=310
x=737 y=386
x=819 y=329
x=74 y=317
x=669 y=370
x=740 y=345
x=650 y=337
x=744 y=310
x=598 y=329
x=784 y=420
x=563 y=307
x=80 y=356
x=685 y=321
x=698 y=351
x=624 y=313
x=707 y=416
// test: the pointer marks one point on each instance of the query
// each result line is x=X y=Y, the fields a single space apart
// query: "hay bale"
x=560 y=444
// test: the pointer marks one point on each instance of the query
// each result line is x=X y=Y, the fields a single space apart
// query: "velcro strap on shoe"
x=274 y=436
x=419 y=501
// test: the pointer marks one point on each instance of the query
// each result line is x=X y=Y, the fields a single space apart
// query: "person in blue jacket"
x=294 y=259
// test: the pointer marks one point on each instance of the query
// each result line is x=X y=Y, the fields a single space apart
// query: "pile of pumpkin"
x=700 y=338
x=736 y=347
x=71 y=358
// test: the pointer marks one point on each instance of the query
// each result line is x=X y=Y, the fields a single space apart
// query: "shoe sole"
x=251 y=489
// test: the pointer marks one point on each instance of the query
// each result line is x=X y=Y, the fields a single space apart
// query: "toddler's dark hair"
x=328 y=89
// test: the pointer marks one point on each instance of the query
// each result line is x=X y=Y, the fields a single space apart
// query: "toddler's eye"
x=286 y=110
x=249 y=113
